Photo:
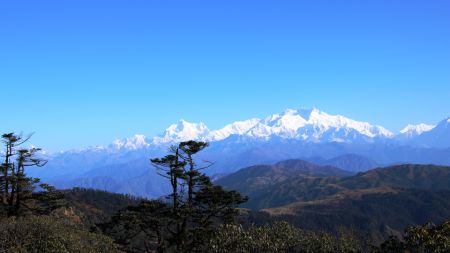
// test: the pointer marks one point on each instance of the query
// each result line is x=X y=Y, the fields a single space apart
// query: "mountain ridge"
x=292 y=134
x=305 y=125
x=309 y=125
x=303 y=187
x=254 y=178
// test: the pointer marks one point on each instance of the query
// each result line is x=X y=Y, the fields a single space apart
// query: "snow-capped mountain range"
x=415 y=130
x=308 y=125
x=123 y=166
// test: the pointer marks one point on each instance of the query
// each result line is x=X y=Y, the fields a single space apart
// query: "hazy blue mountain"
x=349 y=162
x=338 y=141
x=136 y=178
x=439 y=136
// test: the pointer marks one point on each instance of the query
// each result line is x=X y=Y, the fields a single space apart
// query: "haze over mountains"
x=311 y=135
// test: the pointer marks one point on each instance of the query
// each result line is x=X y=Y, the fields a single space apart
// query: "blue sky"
x=85 y=72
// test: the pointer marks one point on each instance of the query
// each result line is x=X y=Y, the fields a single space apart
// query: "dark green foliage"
x=150 y=216
x=199 y=216
x=391 y=245
x=48 y=234
x=193 y=209
x=196 y=204
x=375 y=214
x=32 y=214
x=20 y=194
x=140 y=228
x=279 y=237
x=427 y=238
x=283 y=237
x=97 y=206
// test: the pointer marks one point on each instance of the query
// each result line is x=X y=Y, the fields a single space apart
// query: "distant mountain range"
x=348 y=162
x=293 y=181
x=371 y=205
x=311 y=135
x=375 y=204
x=311 y=125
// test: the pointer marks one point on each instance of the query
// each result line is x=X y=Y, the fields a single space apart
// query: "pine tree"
x=193 y=209
x=199 y=204
x=22 y=194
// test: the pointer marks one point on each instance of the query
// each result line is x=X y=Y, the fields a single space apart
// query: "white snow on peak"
x=414 y=130
x=323 y=122
x=284 y=125
x=136 y=142
x=305 y=124
x=289 y=119
x=183 y=131
x=315 y=125
x=236 y=128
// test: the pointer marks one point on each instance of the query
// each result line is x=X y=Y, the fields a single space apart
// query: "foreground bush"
x=279 y=237
x=420 y=239
x=47 y=234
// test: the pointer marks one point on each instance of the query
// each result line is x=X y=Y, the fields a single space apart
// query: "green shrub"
x=48 y=234
x=420 y=239
x=279 y=237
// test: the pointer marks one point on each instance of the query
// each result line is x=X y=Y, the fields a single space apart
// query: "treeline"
x=197 y=216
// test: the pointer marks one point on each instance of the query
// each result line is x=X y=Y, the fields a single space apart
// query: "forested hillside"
x=310 y=208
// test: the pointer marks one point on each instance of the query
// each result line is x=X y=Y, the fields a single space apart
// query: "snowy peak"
x=183 y=131
x=236 y=128
x=315 y=125
x=439 y=136
x=289 y=119
x=305 y=124
x=138 y=141
x=415 y=130
x=284 y=125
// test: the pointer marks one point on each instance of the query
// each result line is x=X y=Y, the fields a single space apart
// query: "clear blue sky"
x=85 y=72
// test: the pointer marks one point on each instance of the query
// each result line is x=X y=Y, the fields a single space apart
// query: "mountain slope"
x=372 y=213
x=439 y=136
x=375 y=204
x=307 y=188
x=411 y=131
x=136 y=178
x=255 y=180
x=95 y=206
x=411 y=176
